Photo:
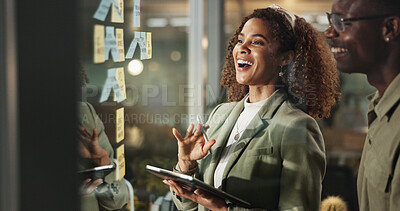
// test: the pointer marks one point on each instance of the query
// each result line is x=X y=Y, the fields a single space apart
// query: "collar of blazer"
x=259 y=122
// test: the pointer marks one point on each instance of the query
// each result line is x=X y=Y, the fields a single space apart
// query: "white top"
x=248 y=113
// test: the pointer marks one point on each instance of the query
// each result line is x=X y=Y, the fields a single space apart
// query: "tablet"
x=190 y=183
x=96 y=172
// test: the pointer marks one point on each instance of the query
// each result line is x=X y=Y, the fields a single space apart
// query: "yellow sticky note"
x=98 y=45
x=119 y=125
x=119 y=36
x=119 y=74
x=115 y=18
x=148 y=43
x=120 y=154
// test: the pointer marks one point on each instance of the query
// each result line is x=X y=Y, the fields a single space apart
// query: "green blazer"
x=278 y=163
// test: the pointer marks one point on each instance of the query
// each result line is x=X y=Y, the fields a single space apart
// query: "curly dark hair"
x=311 y=80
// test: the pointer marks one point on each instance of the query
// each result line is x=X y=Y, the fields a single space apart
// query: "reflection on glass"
x=157 y=89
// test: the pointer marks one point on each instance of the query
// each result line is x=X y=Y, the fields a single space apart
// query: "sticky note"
x=136 y=13
x=104 y=7
x=143 y=45
x=149 y=48
x=111 y=83
x=110 y=44
x=120 y=154
x=98 y=45
x=119 y=34
x=132 y=46
x=121 y=81
x=108 y=85
x=119 y=125
x=138 y=39
x=115 y=16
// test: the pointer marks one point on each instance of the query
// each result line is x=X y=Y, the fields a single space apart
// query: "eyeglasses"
x=338 y=22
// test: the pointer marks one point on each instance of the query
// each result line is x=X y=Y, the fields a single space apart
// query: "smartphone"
x=96 y=172
x=203 y=130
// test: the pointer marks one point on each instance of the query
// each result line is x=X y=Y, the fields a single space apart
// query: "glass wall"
x=151 y=65
x=156 y=84
x=161 y=93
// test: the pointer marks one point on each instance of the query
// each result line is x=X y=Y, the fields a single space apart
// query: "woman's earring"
x=281 y=72
x=387 y=39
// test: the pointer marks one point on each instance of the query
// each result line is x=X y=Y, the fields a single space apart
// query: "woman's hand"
x=89 y=147
x=87 y=186
x=192 y=147
x=207 y=200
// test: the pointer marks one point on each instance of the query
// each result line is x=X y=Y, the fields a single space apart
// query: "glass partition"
x=155 y=77
x=170 y=54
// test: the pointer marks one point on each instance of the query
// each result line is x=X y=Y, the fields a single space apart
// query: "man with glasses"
x=365 y=38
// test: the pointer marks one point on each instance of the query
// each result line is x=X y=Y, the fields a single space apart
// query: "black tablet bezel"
x=191 y=183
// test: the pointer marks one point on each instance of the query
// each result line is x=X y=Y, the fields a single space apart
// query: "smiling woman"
x=312 y=68
x=266 y=146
